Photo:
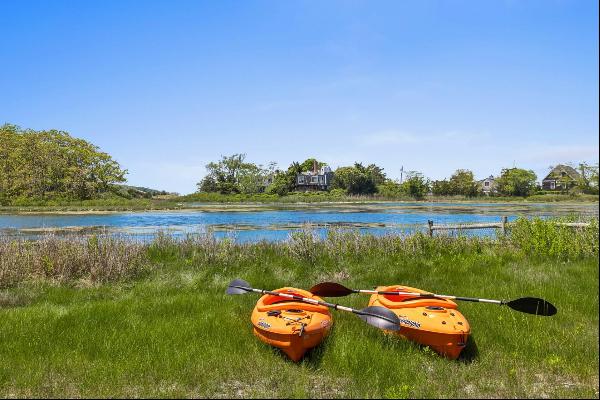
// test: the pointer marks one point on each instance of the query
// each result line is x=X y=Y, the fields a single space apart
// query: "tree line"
x=233 y=175
x=52 y=164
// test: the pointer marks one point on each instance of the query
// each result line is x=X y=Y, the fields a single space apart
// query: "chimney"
x=315 y=170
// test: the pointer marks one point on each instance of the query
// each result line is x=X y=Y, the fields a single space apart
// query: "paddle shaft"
x=430 y=295
x=312 y=301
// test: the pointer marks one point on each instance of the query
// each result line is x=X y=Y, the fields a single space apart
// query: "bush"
x=547 y=238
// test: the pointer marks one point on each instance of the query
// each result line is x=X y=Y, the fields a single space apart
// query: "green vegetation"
x=233 y=175
x=517 y=182
x=359 y=179
x=461 y=183
x=131 y=192
x=43 y=165
x=102 y=317
x=53 y=171
x=588 y=179
x=387 y=192
x=233 y=179
x=107 y=204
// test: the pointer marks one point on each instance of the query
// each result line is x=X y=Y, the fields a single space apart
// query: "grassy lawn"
x=166 y=329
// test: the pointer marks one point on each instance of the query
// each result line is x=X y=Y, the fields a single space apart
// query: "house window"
x=486 y=184
x=552 y=185
x=301 y=179
x=314 y=179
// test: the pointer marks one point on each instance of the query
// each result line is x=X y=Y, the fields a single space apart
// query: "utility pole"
x=401 y=173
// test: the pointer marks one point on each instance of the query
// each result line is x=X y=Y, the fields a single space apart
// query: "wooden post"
x=504 y=222
x=430 y=223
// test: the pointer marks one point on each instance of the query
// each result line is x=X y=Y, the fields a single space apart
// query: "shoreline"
x=273 y=206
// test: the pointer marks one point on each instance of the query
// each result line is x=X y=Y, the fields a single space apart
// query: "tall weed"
x=104 y=258
x=538 y=237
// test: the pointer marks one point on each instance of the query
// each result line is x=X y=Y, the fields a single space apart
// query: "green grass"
x=183 y=202
x=112 y=204
x=168 y=330
x=316 y=197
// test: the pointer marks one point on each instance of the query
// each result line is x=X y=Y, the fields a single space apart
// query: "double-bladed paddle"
x=529 y=305
x=379 y=317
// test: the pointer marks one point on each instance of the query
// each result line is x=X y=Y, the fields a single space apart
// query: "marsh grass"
x=316 y=197
x=164 y=328
x=96 y=259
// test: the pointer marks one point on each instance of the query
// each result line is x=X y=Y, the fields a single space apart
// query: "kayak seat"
x=411 y=301
x=271 y=302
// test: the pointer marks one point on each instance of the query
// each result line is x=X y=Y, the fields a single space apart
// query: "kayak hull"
x=432 y=322
x=292 y=326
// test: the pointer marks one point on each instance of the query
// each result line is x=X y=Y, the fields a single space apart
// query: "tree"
x=441 y=188
x=376 y=173
x=463 y=183
x=354 y=180
x=308 y=164
x=280 y=185
x=416 y=185
x=51 y=164
x=284 y=181
x=359 y=179
x=208 y=185
x=588 y=180
x=232 y=174
x=251 y=179
x=223 y=176
x=390 y=188
x=517 y=182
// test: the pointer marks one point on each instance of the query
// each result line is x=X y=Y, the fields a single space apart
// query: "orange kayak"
x=292 y=326
x=432 y=322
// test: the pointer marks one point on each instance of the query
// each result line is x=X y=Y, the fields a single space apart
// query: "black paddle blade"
x=330 y=289
x=235 y=287
x=380 y=317
x=532 y=305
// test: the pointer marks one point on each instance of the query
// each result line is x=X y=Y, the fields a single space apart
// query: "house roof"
x=489 y=178
x=556 y=172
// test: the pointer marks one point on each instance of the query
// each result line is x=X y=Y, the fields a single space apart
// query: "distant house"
x=317 y=179
x=268 y=180
x=562 y=177
x=488 y=185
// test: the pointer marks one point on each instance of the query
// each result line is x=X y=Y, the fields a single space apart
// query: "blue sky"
x=165 y=87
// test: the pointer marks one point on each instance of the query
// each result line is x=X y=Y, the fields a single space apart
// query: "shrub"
x=547 y=238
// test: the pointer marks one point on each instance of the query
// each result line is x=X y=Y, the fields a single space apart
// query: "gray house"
x=562 y=177
x=488 y=185
x=317 y=179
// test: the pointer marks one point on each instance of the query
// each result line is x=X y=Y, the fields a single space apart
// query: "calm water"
x=269 y=222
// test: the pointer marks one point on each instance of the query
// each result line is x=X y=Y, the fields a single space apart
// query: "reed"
x=95 y=259
x=98 y=259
